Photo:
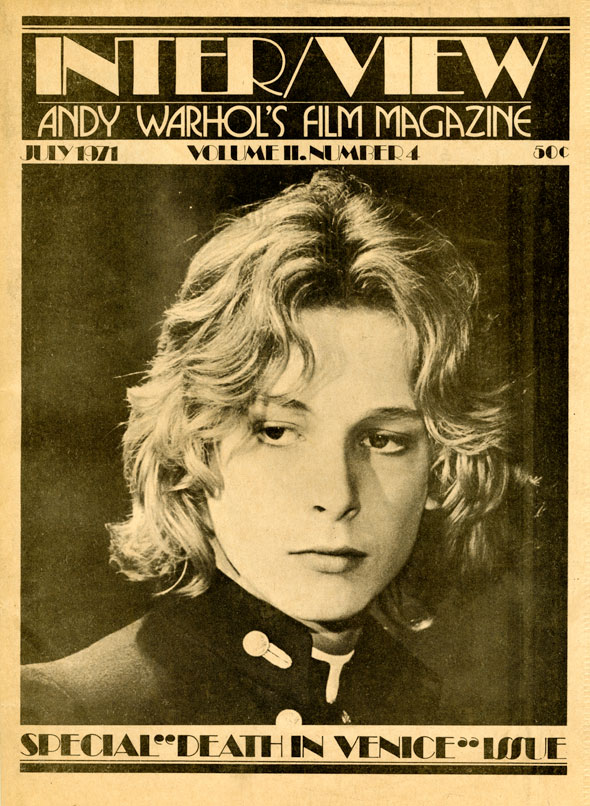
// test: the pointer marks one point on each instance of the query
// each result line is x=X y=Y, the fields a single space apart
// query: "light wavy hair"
x=331 y=242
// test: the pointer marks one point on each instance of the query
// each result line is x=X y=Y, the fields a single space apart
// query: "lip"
x=330 y=560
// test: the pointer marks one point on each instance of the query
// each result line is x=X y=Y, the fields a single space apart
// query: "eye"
x=385 y=442
x=275 y=434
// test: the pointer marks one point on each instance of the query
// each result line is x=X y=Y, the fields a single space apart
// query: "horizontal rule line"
x=119 y=761
x=293 y=30
x=300 y=767
x=265 y=102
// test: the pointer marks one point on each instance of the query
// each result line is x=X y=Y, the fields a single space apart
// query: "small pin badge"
x=258 y=645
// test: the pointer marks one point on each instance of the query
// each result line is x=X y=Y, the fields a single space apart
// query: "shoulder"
x=88 y=686
x=392 y=685
x=158 y=670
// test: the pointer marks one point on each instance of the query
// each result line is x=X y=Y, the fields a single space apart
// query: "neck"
x=335 y=638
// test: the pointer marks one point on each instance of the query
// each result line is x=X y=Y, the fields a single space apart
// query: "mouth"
x=331 y=560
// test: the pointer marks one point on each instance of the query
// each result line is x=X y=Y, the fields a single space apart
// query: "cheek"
x=262 y=480
x=247 y=501
x=389 y=520
x=396 y=488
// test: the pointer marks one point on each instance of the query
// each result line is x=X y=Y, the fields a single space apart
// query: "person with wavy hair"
x=315 y=456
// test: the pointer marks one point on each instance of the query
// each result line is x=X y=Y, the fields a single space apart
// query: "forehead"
x=362 y=359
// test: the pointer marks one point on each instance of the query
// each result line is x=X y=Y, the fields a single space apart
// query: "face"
x=324 y=488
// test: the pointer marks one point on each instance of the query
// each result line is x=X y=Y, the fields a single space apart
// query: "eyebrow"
x=392 y=412
x=395 y=412
x=284 y=402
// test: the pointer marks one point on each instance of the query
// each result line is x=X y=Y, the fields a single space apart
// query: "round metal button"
x=288 y=718
x=255 y=643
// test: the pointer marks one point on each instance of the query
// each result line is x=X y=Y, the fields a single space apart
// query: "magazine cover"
x=287 y=394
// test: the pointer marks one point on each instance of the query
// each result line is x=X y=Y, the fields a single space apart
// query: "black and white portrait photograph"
x=294 y=445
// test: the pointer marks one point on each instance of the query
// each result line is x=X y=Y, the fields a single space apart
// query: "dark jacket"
x=185 y=663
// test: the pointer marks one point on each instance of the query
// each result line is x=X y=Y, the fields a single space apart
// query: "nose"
x=333 y=489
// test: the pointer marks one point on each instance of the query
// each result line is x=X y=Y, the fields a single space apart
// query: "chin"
x=327 y=608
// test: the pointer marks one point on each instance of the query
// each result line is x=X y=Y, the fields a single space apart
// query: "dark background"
x=104 y=251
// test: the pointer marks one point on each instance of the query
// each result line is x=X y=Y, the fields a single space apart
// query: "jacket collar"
x=181 y=630
x=218 y=621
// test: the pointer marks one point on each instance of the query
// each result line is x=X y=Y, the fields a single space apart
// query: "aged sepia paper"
x=130 y=136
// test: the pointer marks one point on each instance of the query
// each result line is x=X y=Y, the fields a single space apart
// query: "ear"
x=431 y=503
